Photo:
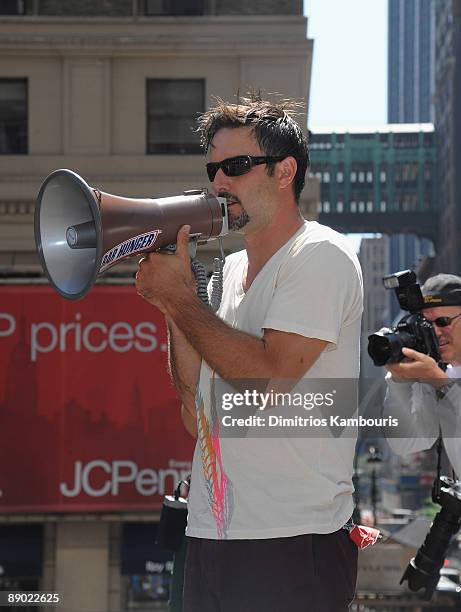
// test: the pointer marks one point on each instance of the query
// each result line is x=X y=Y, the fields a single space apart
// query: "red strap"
x=364 y=536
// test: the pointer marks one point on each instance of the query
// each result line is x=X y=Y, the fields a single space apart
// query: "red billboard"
x=89 y=419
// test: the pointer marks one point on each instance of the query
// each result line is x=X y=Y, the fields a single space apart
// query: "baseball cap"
x=442 y=290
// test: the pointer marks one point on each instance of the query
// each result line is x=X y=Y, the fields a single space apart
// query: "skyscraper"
x=447 y=98
x=409 y=98
x=410 y=61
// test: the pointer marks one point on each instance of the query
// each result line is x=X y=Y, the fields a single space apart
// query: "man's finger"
x=397 y=372
x=182 y=242
x=408 y=352
x=395 y=369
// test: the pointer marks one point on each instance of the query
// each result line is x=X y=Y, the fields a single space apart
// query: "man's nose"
x=221 y=182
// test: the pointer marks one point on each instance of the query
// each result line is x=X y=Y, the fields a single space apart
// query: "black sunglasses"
x=236 y=166
x=444 y=321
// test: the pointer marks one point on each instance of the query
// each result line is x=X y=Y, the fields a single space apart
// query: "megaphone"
x=81 y=231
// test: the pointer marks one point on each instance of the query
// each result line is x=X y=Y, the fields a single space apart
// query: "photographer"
x=425 y=398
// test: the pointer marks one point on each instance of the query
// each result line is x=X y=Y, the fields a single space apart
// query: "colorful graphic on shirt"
x=218 y=485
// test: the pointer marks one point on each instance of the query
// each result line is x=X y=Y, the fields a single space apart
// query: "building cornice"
x=394 y=128
x=138 y=46
x=212 y=35
x=152 y=22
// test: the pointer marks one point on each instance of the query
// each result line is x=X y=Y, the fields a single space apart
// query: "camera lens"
x=423 y=571
x=379 y=349
x=386 y=345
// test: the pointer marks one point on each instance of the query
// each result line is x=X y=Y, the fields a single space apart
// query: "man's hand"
x=418 y=367
x=162 y=276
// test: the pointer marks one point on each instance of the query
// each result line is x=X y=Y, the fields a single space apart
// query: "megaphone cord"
x=217 y=281
x=200 y=279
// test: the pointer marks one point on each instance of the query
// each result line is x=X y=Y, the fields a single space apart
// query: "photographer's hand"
x=418 y=367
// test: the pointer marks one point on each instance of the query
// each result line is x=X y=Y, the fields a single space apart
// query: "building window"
x=428 y=139
x=406 y=172
x=174 y=7
x=339 y=177
x=406 y=141
x=353 y=207
x=427 y=171
x=13 y=116
x=339 y=206
x=353 y=176
x=326 y=207
x=361 y=207
x=326 y=177
x=382 y=206
x=172 y=109
x=369 y=176
x=12 y=7
x=369 y=206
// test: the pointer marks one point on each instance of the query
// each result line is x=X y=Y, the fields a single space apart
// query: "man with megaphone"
x=265 y=513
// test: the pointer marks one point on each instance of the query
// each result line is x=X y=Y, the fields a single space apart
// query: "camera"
x=412 y=331
x=423 y=571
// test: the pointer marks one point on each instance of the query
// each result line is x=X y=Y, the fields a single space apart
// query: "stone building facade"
x=110 y=90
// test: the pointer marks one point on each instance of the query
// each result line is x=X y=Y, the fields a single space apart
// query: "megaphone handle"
x=200 y=273
x=193 y=240
x=192 y=246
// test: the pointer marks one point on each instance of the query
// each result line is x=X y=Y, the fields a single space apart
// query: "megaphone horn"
x=81 y=231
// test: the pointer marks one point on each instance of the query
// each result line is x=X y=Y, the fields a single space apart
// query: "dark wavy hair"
x=275 y=130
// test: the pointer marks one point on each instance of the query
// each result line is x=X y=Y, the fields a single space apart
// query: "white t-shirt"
x=250 y=488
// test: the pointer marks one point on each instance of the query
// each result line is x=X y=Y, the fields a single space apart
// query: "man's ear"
x=286 y=171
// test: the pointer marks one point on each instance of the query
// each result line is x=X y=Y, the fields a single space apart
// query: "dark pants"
x=307 y=573
x=177 y=579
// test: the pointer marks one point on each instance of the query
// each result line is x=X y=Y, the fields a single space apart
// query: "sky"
x=349 y=66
